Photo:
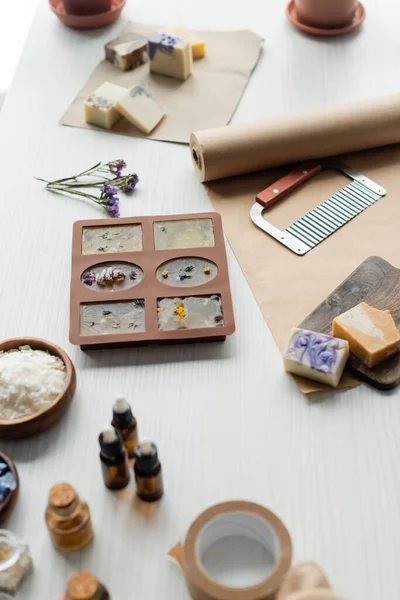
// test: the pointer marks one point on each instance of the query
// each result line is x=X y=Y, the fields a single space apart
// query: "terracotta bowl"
x=87 y=21
x=8 y=505
x=27 y=426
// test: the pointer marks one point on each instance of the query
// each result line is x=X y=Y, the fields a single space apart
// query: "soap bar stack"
x=110 y=102
x=170 y=52
x=369 y=333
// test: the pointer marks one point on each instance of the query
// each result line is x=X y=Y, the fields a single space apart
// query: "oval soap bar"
x=316 y=594
x=305 y=576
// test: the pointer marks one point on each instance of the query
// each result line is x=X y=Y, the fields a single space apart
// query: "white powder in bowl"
x=29 y=381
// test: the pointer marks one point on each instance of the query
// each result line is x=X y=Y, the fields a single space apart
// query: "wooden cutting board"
x=377 y=283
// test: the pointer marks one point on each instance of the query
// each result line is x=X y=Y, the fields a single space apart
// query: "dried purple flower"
x=97 y=176
x=132 y=275
x=87 y=278
x=109 y=200
x=117 y=166
x=127 y=183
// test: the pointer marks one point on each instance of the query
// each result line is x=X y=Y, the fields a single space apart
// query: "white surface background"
x=228 y=422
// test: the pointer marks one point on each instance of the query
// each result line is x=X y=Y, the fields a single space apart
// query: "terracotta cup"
x=326 y=13
x=87 y=7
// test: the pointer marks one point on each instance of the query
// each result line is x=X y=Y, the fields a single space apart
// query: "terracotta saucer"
x=359 y=16
x=8 y=505
x=87 y=21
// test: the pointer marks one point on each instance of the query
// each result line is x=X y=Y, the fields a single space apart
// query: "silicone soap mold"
x=146 y=279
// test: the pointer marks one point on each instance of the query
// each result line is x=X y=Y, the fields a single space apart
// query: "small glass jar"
x=15 y=563
x=68 y=519
x=85 y=586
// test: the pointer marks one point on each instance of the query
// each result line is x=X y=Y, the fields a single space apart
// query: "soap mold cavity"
x=186 y=271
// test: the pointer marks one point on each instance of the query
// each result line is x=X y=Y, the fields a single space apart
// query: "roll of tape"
x=235 y=518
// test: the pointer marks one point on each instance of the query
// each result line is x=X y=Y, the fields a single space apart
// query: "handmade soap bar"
x=100 y=106
x=128 y=51
x=198 y=46
x=140 y=108
x=371 y=333
x=170 y=56
x=316 y=356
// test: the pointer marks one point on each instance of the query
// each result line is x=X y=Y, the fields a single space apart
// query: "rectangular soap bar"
x=316 y=356
x=128 y=51
x=198 y=46
x=100 y=106
x=170 y=56
x=372 y=334
x=140 y=108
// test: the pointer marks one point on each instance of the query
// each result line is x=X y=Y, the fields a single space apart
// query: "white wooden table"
x=16 y=18
x=228 y=422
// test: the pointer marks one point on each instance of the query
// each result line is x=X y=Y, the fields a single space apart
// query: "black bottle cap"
x=122 y=414
x=146 y=456
x=111 y=442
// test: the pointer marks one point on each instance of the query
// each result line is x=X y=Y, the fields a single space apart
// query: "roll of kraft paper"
x=248 y=147
x=222 y=521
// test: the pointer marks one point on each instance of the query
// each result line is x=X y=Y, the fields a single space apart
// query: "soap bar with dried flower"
x=197 y=45
x=170 y=56
x=316 y=356
x=128 y=51
x=100 y=106
x=140 y=108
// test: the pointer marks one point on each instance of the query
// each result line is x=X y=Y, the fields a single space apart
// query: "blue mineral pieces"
x=7 y=482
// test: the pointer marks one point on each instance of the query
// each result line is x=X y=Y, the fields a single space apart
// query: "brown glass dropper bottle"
x=125 y=422
x=148 y=474
x=114 y=459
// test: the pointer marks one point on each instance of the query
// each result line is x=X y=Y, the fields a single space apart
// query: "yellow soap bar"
x=372 y=334
x=198 y=46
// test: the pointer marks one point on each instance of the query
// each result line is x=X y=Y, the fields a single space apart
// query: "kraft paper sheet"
x=288 y=287
x=206 y=99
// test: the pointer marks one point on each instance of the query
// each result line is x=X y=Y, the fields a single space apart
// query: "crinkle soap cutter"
x=326 y=218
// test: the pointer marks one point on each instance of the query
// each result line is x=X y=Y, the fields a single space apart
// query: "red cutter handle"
x=289 y=182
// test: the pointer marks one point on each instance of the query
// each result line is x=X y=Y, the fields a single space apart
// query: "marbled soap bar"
x=316 y=356
x=100 y=106
x=127 y=52
x=371 y=333
x=170 y=56
x=197 y=45
x=140 y=109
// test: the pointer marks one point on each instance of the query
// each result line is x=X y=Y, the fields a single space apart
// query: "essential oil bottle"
x=114 y=459
x=148 y=472
x=85 y=586
x=68 y=519
x=125 y=422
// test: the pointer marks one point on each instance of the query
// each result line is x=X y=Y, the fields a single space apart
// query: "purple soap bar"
x=316 y=356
